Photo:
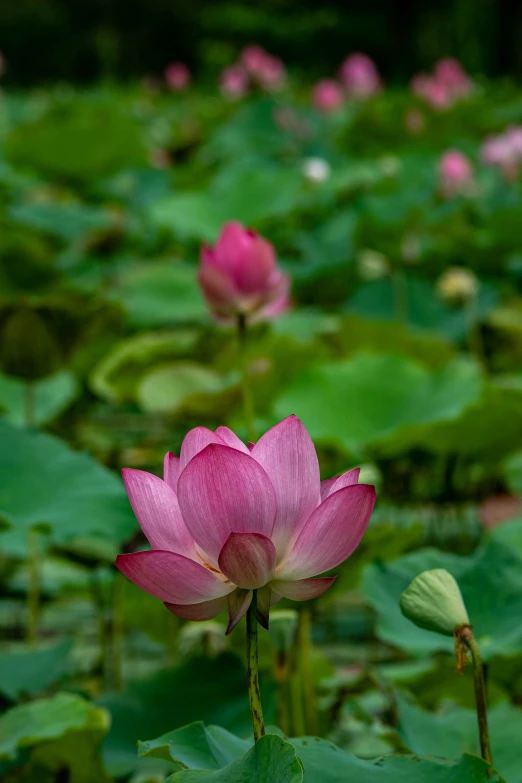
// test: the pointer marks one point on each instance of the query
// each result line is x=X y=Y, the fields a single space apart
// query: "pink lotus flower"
x=252 y=58
x=445 y=86
x=239 y=275
x=225 y=521
x=328 y=96
x=265 y=69
x=234 y=82
x=177 y=76
x=504 y=151
x=452 y=75
x=456 y=173
x=434 y=93
x=360 y=76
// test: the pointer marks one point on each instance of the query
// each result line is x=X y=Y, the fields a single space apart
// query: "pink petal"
x=156 y=507
x=171 y=470
x=248 y=560
x=195 y=441
x=223 y=491
x=302 y=589
x=238 y=603
x=172 y=577
x=347 y=479
x=287 y=454
x=250 y=445
x=205 y=610
x=231 y=439
x=331 y=534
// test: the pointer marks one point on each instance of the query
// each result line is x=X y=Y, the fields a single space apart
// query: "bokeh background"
x=391 y=190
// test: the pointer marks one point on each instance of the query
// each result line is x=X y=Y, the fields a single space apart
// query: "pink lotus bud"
x=252 y=58
x=240 y=275
x=272 y=73
x=360 y=75
x=456 y=172
x=233 y=82
x=227 y=520
x=327 y=96
x=177 y=76
x=451 y=74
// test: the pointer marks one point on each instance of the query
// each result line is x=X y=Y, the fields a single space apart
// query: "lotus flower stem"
x=253 y=670
x=248 y=400
x=304 y=651
x=469 y=640
x=33 y=590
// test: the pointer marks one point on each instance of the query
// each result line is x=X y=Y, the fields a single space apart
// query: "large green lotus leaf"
x=489 y=430
x=160 y=293
x=212 y=689
x=184 y=386
x=49 y=719
x=491 y=584
x=211 y=752
x=52 y=396
x=376 y=300
x=82 y=141
x=271 y=760
x=29 y=672
x=363 y=400
x=453 y=731
x=513 y=472
x=510 y=534
x=116 y=376
x=44 y=482
x=70 y=222
x=248 y=195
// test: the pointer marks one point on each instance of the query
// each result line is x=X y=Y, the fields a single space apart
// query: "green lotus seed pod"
x=433 y=601
x=283 y=625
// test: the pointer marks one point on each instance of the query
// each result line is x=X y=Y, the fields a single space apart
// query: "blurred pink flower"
x=177 y=76
x=445 y=86
x=455 y=172
x=434 y=93
x=451 y=74
x=252 y=58
x=226 y=520
x=328 y=96
x=265 y=69
x=234 y=82
x=504 y=151
x=360 y=76
x=240 y=275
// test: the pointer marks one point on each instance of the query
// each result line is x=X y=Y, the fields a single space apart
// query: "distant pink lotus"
x=264 y=69
x=177 y=76
x=239 y=275
x=227 y=520
x=360 y=76
x=504 y=151
x=456 y=173
x=452 y=75
x=447 y=84
x=328 y=96
x=234 y=82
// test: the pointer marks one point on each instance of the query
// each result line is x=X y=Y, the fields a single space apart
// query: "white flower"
x=316 y=169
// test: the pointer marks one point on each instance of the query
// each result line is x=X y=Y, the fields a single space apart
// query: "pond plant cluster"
x=291 y=315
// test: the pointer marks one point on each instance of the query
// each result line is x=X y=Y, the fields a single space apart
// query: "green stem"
x=99 y=602
x=296 y=702
x=480 y=694
x=400 y=296
x=248 y=400
x=118 y=629
x=33 y=590
x=29 y=404
x=281 y=673
x=304 y=636
x=254 y=695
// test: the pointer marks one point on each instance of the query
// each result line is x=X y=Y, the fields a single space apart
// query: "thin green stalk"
x=33 y=589
x=296 y=704
x=248 y=399
x=480 y=694
x=118 y=629
x=99 y=601
x=400 y=296
x=304 y=637
x=281 y=674
x=254 y=695
x=29 y=404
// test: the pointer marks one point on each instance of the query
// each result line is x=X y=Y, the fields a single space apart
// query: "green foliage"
x=29 y=672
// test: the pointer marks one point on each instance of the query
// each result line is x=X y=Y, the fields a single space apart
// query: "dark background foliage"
x=82 y=40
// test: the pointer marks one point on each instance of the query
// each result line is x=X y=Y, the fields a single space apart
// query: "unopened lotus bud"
x=433 y=601
x=283 y=627
x=205 y=638
x=28 y=350
x=372 y=265
x=457 y=285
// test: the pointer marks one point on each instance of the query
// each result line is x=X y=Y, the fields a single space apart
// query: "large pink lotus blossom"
x=328 y=96
x=234 y=82
x=226 y=520
x=360 y=76
x=177 y=76
x=239 y=275
x=455 y=172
